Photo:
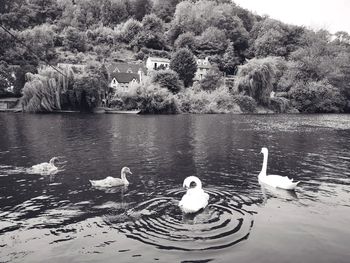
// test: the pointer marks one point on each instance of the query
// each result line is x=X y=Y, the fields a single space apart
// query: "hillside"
x=308 y=71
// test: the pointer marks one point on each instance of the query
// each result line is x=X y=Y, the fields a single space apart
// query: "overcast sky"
x=333 y=15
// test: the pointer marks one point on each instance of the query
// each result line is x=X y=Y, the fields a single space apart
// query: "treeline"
x=308 y=71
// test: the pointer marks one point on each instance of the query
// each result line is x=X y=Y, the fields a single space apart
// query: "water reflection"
x=278 y=193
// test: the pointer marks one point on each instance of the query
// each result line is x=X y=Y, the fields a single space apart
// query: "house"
x=154 y=63
x=122 y=74
x=74 y=67
x=203 y=66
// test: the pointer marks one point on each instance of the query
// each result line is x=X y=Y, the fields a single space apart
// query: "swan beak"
x=130 y=172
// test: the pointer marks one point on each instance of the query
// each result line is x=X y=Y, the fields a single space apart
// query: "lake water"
x=61 y=218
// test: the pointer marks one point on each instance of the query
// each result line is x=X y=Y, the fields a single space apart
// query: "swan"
x=195 y=198
x=46 y=168
x=276 y=181
x=111 y=181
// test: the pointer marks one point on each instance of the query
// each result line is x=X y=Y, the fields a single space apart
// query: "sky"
x=333 y=15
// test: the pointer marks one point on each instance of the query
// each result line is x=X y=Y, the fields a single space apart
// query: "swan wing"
x=107 y=182
x=279 y=181
x=193 y=201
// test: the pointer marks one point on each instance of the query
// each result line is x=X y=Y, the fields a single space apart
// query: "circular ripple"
x=160 y=222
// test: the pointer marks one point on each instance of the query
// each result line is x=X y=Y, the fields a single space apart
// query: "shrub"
x=317 y=97
x=212 y=80
x=167 y=79
x=149 y=97
x=281 y=105
x=195 y=100
x=246 y=103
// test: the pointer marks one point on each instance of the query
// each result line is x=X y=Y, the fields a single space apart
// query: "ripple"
x=160 y=223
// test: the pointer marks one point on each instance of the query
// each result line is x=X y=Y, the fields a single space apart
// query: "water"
x=61 y=218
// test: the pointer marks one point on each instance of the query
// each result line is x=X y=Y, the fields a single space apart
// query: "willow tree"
x=255 y=79
x=39 y=94
x=43 y=92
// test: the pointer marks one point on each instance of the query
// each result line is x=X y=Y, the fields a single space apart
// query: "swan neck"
x=198 y=184
x=123 y=176
x=264 y=166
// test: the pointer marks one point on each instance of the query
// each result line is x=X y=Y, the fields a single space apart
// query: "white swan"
x=111 y=181
x=195 y=198
x=46 y=168
x=276 y=181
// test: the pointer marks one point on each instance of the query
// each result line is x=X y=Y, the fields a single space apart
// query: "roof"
x=157 y=59
x=123 y=77
x=124 y=67
x=200 y=63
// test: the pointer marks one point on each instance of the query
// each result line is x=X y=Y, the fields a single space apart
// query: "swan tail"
x=93 y=183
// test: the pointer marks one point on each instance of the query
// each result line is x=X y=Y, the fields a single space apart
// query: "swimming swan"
x=111 y=181
x=276 y=181
x=46 y=168
x=195 y=198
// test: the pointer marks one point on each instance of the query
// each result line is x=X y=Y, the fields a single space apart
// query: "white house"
x=121 y=75
x=203 y=66
x=154 y=63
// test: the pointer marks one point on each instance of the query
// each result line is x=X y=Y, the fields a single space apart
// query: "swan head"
x=192 y=179
x=126 y=170
x=53 y=160
x=264 y=150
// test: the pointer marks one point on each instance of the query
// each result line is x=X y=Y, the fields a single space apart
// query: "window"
x=155 y=65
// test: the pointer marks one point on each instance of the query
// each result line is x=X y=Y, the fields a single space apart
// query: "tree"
x=317 y=97
x=39 y=93
x=129 y=30
x=74 y=40
x=20 y=77
x=44 y=10
x=212 y=80
x=255 y=79
x=167 y=79
x=140 y=8
x=152 y=34
x=6 y=78
x=40 y=39
x=164 y=9
x=113 y=12
x=186 y=40
x=212 y=41
x=270 y=37
x=184 y=63
x=230 y=61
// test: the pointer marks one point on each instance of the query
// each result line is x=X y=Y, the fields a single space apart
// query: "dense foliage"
x=67 y=88
x=308 y=71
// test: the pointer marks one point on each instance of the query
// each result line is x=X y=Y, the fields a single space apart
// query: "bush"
x=149 y=97
x=167 y=79
x=317 y=97
x=246 y=103
x=212 y=80
x=195 y=100
x=281 y=105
